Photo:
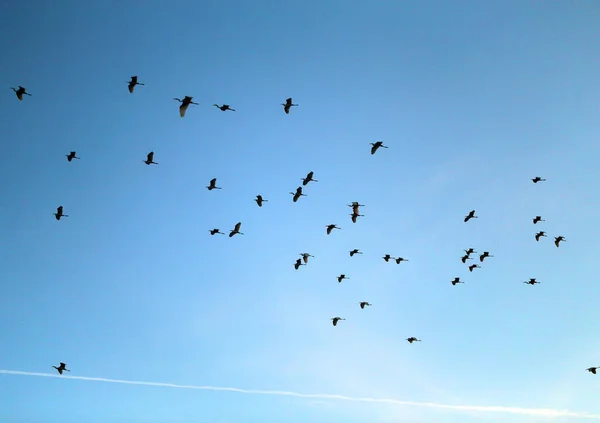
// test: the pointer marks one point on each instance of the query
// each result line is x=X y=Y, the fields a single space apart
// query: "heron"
x=355 y=205
x=150 y=158
x=335 y=320
x=470 y=251
x=331 y=228
x=531 y=281
x=413 y=339
x=376 y=146
x=355 y=251
x=309 y=178
x=59 y=213
x=287 y=105
x=187 y=100
x=537 y=219
x=400 y=260
x=305 y=257
x=259 y=200
x=387 y=258
x=236 y=230
x=341 y=277
x=298 y=264
x=224 y=107
x=539 y=235
x=537 y=179
x=61 y=368
x=474 y=266
x=363 y=304
x=215 y=231
x=465 y=258
x=592 y=370
x=133 y=83
x=484 y=255
x=558 y=239
x=20 y=92
x=455 y=281
x=297 y=194
x=71 y=156
x=470 y=216
x=213 y=184
x=354 y=216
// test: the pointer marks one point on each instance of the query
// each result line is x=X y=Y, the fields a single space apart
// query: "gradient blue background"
x=473 y=99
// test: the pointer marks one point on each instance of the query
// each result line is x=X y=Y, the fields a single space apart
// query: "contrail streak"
x=539 y=412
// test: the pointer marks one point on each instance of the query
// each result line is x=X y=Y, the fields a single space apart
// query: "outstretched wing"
x=237 y=226
x=182 y=109
x=151 y=156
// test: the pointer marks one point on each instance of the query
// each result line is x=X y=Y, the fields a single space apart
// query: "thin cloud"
x=538 y=412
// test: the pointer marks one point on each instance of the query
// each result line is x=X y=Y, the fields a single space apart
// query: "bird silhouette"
x=298 y=264
x=71 y=156
x=62 y=368
x=213 y=184
x=455 y=281
x=539 y=235
x=236 y=230
x=335 y=320
x=400 y=260
x=537 y=219
x=187 y=100
x=215 y=231
x=297 y=194
x=305 y=257
x=150 y=158
x=133 y=83
x=287 y=105
x=376 y=146
x=341 y=277
x=224 y=107
x=558 y=239
x=355 y=251
x=20 y=92
x=387 y=258
x=537 y=179
x=592 y=370
x=531 y=281
x=465 y=258
x=413 y=339
x=484 y=255
x=59 y=213
x=331 y=228
x=474 y=266
x=259 y=200
x=470 y=251
x=363 y=304
x=470 y=216
x=354 y=216
x=309 y=178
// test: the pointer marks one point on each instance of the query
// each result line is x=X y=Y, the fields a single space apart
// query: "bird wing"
x=131 y=86
x=182 y=109
x=310 y=175
x=237 y=226
x=213 y=181
x=329 y=228
x=59 y=209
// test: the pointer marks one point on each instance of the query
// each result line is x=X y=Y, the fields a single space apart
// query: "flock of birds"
x=355 y=206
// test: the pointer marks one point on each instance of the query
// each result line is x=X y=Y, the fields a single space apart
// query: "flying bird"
x=236 y=230
x=455 y=281
x=341 y=277
x=400 y=260
x=470 y=251
x=538 y=219
x=465 y=258
x=355 y=205
x=215 y=231
x=71 y=156
x=133 y=83
x=355 y=251
x=558 y=239
x=387 y=258
x=213 y=184
x=309 y=178
x=20 y=92
x=297 y=194
x=59 y=213
x=287 y=105
x=531 y=281
x=592 y=370
x=61 y=368
x=413 y=339
x=354 y=216
x=298 y=264
x=331 y=228
x=187 y=100
x=335 y=320
x=259 y=200
x=224 y=107
x=474 y=266
x=305 y=257
x=539 y=234
x=484 y=255
x=470 y=216
x=376 y=146
x=363 y=304
x=537 y=179
x=150 y=158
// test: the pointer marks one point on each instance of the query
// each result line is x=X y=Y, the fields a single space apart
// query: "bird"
x=537 y=219
x=133 y=83
x=455 y=281
x=150 y=158
x=558 y=239
x=354 y=216
x=71 y=156
x=376 y=146
x=470 y=251
x=224 y=107
x=59 y=213
x=259 y=200
x=213 y=184
x=287 y=105
x=400 y=260
x=341 y=277
x=537 y=179
x=309 y=178
x=236 y=230
x=592 y=370
x=465 y=258
x=363 y=304
x=187 y=100
x=413 y=339
x=297 y=194
x=474 y=266
x=539 y=234
x=355 y=205
x=215 y=231
x=20 y=92
x=305 y=257
x=335 y=320
x=355 y=251
x=470 y=216
x=298 y=264
x=387 y=258
x=61 y=368
x=531 y=281
x=331 y=228
x=484 y=255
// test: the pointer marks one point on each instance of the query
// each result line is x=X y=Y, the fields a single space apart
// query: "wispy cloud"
x=538 y=412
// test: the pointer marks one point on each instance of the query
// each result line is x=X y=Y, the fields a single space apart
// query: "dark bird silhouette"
x=355 y=205
x=387 y=258
x=59 y=213
x=259 y=200
x=20 y=92
x=455 y=281
x=558 y=239
x=335 y=320
x=537 y=179
x=331 y=228
x=531 y=281
x=470 y=251
x=213 y=184
x=355 y=251
x=539 y=234
x=353 y=216
x=236 y=230
x=297 y=194
x=484 y=255
x=133 y=83
x=71 y=156
x=62 y=368
x=187 y=100
x=376 y=146
x=224 y=107
x=413 y=339
x=150 y=158
x=470 y=216
x=341 y=277
x=474 y=266
x=538 y=219
x=287 y=105
x=309 y=178
x=465 y=258
x=215 y=231
x=400 y=260
x=298 y=264
x=363 y=304
x=592 y=370
x=305 y=257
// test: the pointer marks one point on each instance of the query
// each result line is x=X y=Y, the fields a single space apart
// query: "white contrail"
x=539 y=412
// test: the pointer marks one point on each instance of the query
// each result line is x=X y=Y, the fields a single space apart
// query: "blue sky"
x=472 y=98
